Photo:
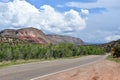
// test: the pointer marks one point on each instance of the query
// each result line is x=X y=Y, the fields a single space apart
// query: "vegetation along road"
x=33 y=70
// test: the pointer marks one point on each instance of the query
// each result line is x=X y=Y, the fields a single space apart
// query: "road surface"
x=33 y=70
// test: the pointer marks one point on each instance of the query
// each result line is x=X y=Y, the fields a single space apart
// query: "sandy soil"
x=103 y=70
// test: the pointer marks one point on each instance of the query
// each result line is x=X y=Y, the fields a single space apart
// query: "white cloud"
x=99 y=36
x=107 y=22
x=20 y=13
x=100 y=3
x=108 y=36
x=84 y=11
x=112 y=38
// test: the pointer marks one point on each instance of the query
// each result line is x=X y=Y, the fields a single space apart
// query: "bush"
x=117 y=51
x=37 y=51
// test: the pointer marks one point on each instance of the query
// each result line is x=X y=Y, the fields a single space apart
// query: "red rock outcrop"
x=31 y=35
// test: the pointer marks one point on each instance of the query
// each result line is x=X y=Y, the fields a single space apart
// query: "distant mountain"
x=92 y=43
x=56 y=39
x=110 y=45
x=114 y=43
x=33 y=35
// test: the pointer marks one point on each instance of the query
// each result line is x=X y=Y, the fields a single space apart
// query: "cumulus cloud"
x=84 y=11
x=19 y=14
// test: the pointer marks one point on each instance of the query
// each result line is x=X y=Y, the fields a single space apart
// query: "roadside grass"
x=113 y=59
x=17 y=62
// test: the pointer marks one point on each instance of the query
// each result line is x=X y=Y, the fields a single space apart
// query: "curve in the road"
x=32 y=70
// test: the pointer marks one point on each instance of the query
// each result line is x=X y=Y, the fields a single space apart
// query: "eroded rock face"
x=56 y=39
x=29 y=34
x=33 y=35
x=8 y=33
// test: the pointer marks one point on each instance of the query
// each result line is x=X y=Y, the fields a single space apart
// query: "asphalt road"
x=32 y=70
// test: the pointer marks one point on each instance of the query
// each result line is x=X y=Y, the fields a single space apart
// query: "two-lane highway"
x=32 y=70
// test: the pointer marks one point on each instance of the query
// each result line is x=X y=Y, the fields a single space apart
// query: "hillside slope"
x=31 y=35
x=56 y=39
x=111 y=44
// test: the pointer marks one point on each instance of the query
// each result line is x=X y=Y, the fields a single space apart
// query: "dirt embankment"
x=104 y=70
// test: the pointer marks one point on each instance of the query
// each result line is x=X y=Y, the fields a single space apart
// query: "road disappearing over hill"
x=37 y=69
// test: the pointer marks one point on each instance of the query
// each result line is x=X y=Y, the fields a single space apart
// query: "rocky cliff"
x=31 y=35
x=56 y=39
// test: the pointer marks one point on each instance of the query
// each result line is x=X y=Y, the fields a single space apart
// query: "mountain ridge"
x=56 y=39
x=33 y=35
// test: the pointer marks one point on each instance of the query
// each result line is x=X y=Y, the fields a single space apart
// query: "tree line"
x=10 y=52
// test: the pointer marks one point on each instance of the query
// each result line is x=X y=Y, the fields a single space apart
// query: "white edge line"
x=67 y=69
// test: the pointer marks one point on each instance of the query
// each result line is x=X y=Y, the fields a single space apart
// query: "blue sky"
x=95 y=21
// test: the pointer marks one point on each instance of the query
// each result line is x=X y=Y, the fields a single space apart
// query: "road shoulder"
x=101 y=70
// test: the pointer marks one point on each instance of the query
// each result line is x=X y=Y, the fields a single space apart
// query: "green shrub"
x=36 y=51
